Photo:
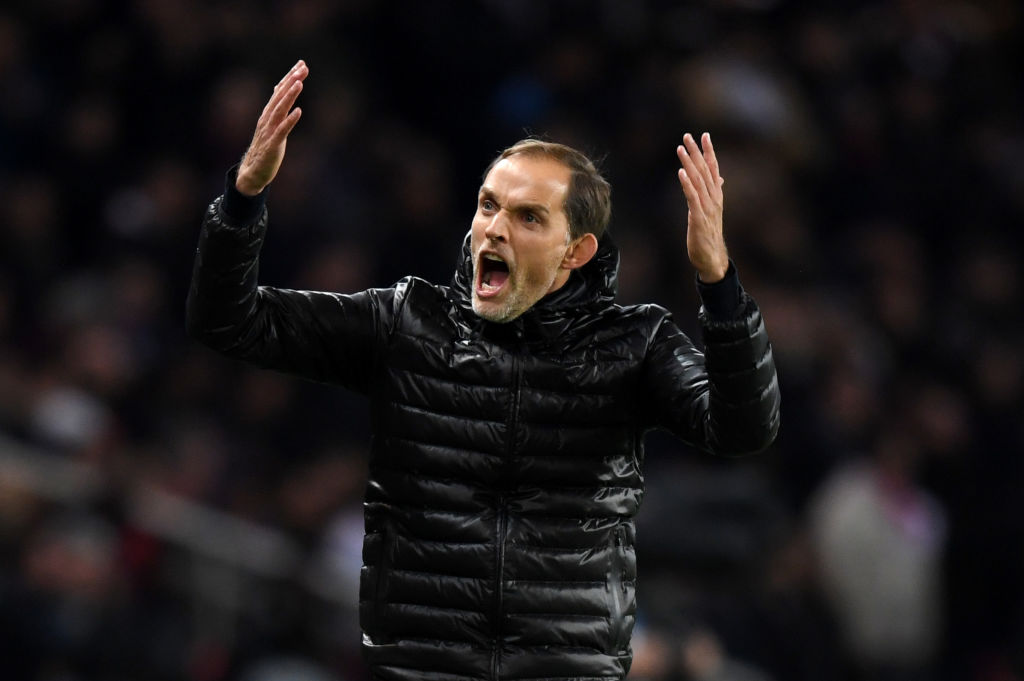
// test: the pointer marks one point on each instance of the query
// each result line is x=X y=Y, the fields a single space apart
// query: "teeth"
x=491 y=256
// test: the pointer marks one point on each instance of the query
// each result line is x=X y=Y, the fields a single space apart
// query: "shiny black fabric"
x=506 y=458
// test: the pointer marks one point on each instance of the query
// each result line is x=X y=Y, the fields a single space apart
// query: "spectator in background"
x=704 y=659
x=694 y=654
x=879 y=538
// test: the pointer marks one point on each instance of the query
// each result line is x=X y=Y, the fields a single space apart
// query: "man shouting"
x=509 y=407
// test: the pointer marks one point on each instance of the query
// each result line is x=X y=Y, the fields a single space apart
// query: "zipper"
x=618 y=589
x=502 y=517
x=499 y=559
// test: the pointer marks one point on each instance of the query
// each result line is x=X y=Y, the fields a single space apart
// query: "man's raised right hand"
x=266 y=151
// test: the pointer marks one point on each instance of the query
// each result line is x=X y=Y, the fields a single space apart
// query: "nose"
x=497 y=228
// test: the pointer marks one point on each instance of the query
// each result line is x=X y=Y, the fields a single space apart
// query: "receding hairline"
x=533 y=154
x=573 y=159
x=528 y=153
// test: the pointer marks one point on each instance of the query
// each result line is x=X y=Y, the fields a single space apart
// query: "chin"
x=497 y=313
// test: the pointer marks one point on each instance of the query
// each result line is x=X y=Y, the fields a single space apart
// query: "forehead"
x=531 y=179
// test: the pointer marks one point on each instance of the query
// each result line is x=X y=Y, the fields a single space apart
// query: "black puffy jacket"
x=506 y=458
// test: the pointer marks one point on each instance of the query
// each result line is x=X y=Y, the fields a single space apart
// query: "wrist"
x=239 y=207
x=712 y=275
x=246 y=186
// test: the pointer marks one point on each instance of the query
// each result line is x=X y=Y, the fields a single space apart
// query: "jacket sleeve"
x=325 y=337
x=725 y=400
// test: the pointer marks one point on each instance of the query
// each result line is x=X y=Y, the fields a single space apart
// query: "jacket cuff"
x=722 y=299
x=239 y=208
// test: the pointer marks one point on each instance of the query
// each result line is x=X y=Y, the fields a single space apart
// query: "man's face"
x=520 y=236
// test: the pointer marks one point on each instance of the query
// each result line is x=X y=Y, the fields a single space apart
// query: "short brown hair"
x=588 y=204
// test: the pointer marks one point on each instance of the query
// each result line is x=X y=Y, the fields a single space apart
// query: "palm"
x=702 y=186
x=265 y=154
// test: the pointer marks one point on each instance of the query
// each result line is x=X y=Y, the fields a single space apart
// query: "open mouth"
x=493 y=275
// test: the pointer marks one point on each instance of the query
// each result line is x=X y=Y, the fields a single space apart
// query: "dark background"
x=168 y=514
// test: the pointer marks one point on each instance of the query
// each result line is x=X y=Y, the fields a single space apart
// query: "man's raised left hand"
x=702 y=185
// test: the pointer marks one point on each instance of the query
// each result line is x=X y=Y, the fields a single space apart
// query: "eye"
x=487 y=205
x=530 y=217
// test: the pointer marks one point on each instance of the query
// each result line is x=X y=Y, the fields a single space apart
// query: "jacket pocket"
x=381 y=587
x=618 y=624
x=373 y=584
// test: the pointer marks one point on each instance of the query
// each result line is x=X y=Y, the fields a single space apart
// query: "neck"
x=560 y=279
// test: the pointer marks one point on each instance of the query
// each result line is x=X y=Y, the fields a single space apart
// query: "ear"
x=580 y=252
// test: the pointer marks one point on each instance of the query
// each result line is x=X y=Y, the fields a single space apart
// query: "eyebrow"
x=526 y=206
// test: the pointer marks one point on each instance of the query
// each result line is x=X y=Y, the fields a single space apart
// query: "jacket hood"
x=588 y=288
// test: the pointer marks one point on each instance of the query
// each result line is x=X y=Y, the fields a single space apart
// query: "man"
x=508 y=408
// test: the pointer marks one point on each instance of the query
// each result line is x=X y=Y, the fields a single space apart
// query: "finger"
x=694 y=175
x=293 y=70
x=692 y=197
x=711 y=159
x=286 y=76
x=698 y=159
x=287 y=101
x=286 y=127
x=298 y=73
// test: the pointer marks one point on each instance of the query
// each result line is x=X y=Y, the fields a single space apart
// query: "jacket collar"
x=588 y=289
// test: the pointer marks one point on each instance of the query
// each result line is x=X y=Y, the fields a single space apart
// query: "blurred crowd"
x=167 y=514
